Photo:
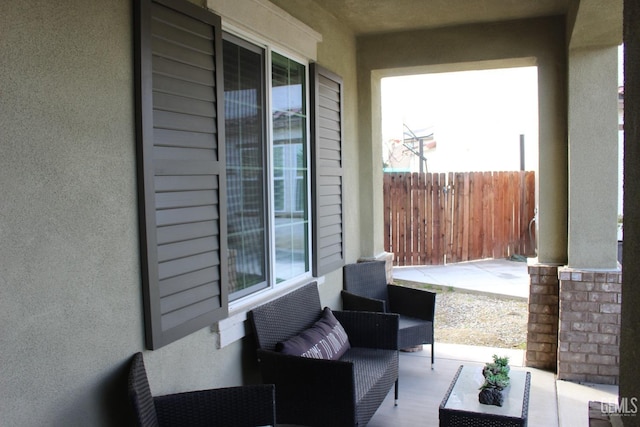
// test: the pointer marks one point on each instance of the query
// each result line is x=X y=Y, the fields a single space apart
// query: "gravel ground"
x=473 y=319
x=463 y=318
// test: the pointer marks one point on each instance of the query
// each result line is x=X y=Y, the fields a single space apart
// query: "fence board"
x=444 y=218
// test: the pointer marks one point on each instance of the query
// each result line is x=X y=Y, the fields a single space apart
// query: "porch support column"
x=593 y=158
x=590 y=285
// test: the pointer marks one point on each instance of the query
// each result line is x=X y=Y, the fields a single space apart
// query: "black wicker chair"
x=366 y=289
x=244 y=406
x=318 y=392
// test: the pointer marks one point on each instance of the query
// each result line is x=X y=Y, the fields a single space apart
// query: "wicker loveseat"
x=319 y=392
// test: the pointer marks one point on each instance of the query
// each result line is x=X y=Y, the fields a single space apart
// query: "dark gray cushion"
x=326 y=339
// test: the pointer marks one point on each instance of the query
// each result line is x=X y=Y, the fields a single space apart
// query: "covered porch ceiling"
x=592 y=22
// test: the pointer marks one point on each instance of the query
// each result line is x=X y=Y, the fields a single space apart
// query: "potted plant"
x=496 y=380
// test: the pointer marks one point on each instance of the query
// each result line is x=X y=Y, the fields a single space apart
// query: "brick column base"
x=589 y=333
x=542 y=328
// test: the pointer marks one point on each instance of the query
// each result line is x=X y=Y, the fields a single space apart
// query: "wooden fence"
x=442 y=218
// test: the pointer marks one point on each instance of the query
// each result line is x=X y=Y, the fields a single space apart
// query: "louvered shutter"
x=181 y=169
x=327 y=178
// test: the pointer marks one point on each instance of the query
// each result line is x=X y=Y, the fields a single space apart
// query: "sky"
x=477 y=117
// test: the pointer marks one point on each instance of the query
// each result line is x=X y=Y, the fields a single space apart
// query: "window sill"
x=235 y=327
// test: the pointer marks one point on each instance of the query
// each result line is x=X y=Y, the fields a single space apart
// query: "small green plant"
x=496 y=374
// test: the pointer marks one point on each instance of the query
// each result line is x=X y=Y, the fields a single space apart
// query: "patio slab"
x=490 y=276
x=552 y=403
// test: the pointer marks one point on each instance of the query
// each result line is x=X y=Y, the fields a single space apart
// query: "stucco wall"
x=70 y=303
x=593 y=154
x=541 y=39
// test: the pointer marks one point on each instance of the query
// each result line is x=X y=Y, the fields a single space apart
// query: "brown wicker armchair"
x=244 y=406
x=366 y=289
x=319 y=392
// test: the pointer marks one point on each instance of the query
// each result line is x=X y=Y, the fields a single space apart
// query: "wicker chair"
x=244 y=406
x=366 y=289
x=318 y=392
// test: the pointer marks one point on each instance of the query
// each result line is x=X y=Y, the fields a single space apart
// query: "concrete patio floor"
x=553 y=403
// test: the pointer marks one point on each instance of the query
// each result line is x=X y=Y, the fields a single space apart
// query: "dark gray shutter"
x=181 y=170
x=327 y=167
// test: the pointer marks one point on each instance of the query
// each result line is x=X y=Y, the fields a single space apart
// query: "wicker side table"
x=460 y=406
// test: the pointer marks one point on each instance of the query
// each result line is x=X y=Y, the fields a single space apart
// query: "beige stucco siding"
x=70 y=304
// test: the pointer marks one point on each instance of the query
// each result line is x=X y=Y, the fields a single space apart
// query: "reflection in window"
x=245 y=144
x=290 y=173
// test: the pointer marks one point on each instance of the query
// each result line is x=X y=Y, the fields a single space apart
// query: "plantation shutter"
x=181 y=168
x=327 y=178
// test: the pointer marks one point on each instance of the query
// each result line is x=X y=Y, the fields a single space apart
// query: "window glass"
x=290 y=172
x=244 y=84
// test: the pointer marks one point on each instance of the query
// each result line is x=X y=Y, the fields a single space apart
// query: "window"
x=247 y=237
x=265 y=231
x=290 y=172
x=224 y=187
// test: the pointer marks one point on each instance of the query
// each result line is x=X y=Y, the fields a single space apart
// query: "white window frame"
x=232 y=328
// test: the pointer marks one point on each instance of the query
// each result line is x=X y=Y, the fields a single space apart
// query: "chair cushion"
x=326 y=339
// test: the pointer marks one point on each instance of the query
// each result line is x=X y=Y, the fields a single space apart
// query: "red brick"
x=603 y=297
x=583 y=348
x=609 y=370
x=573 y=316
x=603 y=339
x=543 y=308
x=611 y=318
x=541 y=289
x=547 y=318
x=541 y=328
x=585 y=306
x=601 y=277
x=551 y=300
x=539 y=347
x=613 y=350
x=608 y=287
x=564 y=275
x=584 y=327
x=614 y=277
x=610 y=308
x=574 y=336
x=547 y=338
x=598 y=359
x=584 y=286
x=548 y=280
x=583 y=368
x=549 y=271
x=607 y=328
x=547 y=358
x=588 y=276
x=573 y=296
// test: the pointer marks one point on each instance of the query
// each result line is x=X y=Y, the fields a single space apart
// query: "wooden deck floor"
x=422 y=389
